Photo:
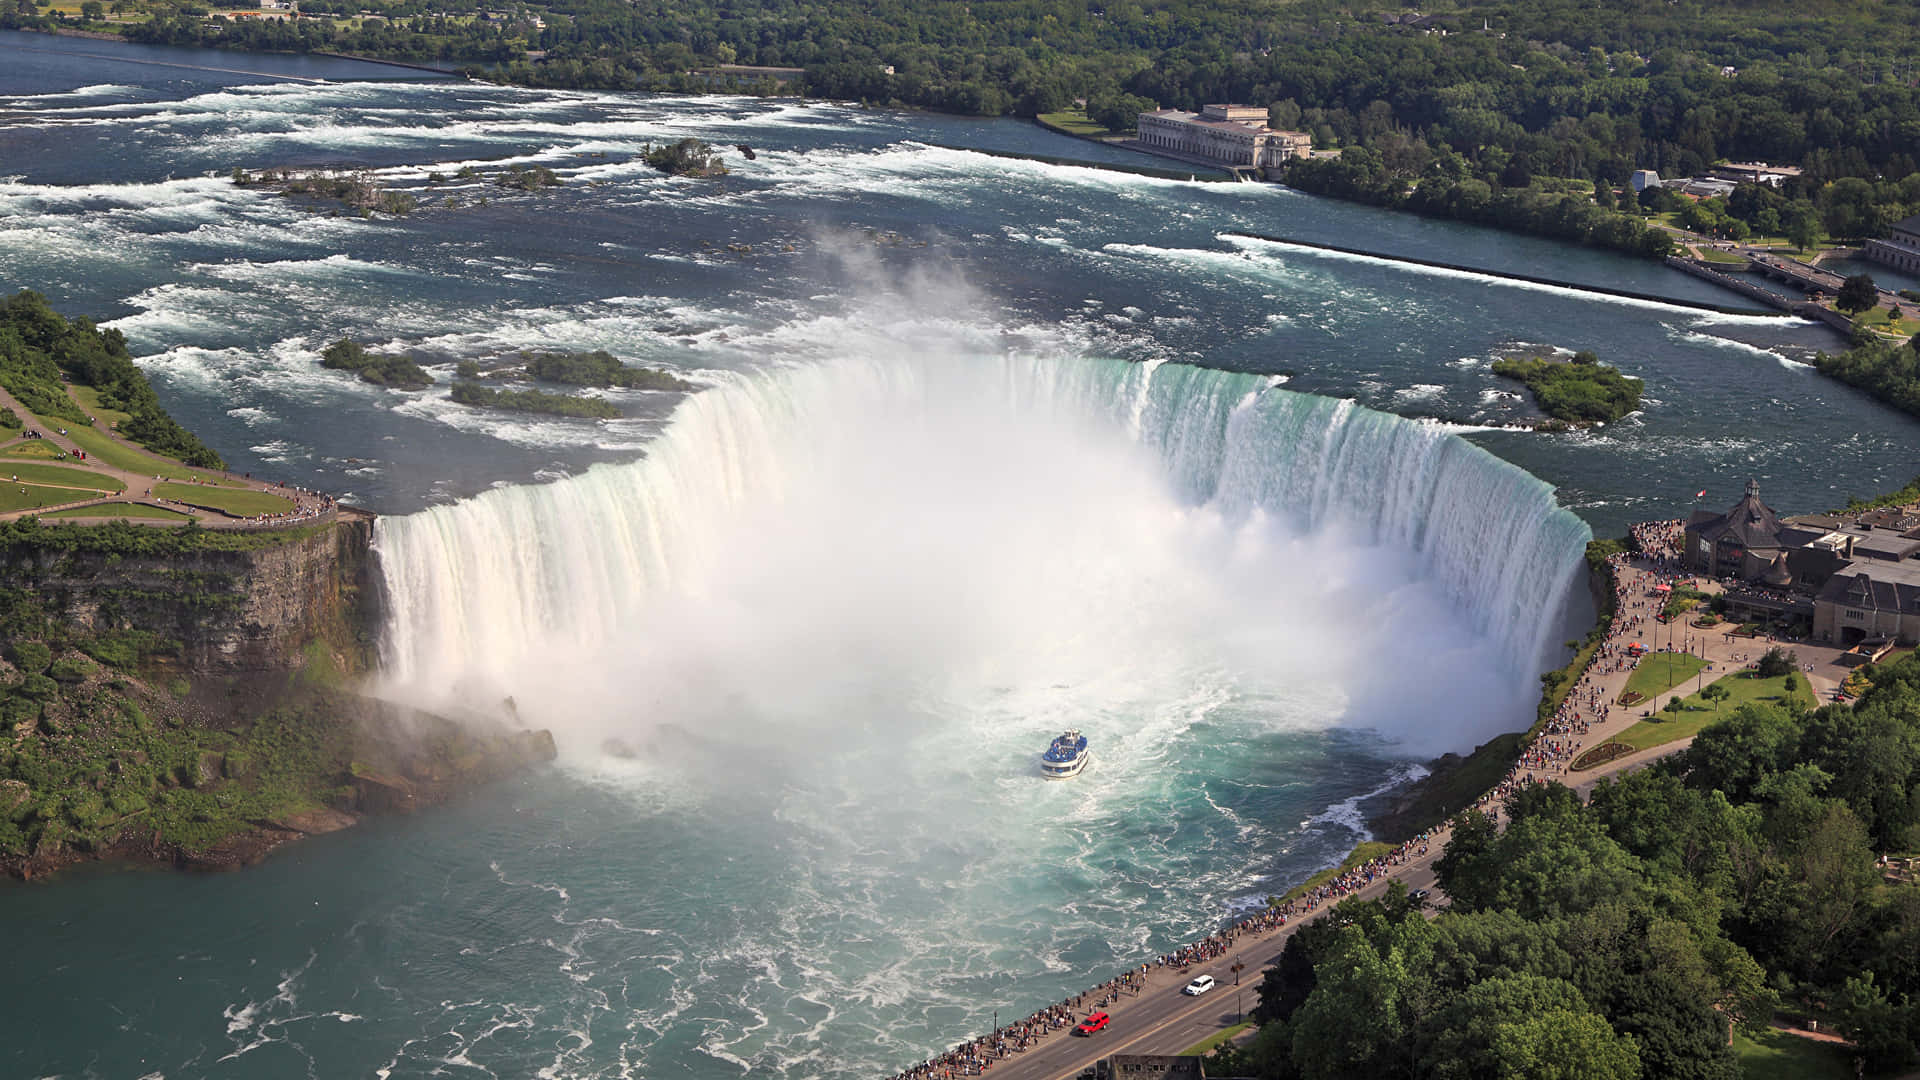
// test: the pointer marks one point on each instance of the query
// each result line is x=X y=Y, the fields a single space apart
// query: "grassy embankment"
x=1367 y=851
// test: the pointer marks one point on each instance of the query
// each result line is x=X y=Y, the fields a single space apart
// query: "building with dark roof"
x=1744 y=541
x=1901 y=248
x=1851 y=577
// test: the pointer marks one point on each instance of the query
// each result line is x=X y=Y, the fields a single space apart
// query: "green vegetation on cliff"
x=1579 y=391
x=599 y=368
x=40 y=350
x=394 y=370
x=534 y=401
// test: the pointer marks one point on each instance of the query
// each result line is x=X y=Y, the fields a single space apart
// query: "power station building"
x=1852 y=578
x=1901 y=249
x=1229 y=135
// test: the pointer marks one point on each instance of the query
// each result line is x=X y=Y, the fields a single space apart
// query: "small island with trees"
x=1575 y=392
x=395 y=371
x=688 y=157
x=599 y=369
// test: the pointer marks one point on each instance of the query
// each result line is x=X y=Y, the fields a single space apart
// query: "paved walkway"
x=138 y=487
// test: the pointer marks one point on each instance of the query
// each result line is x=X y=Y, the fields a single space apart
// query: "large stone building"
x=1231 y=135
x=1849 y=578
x=1901 y=249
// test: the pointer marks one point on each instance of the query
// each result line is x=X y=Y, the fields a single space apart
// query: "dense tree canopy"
x=1622 y=938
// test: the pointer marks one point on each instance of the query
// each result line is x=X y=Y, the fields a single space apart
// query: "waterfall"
x=477 y=585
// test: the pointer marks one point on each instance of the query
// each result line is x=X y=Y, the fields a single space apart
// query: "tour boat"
x=1066 y=757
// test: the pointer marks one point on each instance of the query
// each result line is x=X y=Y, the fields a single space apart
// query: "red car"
x=1097 y=1022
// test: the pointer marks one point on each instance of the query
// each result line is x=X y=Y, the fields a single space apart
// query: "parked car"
x=1199 y=986
x=1095 y=1022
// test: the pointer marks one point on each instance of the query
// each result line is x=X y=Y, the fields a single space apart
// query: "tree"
x=93 y=10
x=1563 y=1045
x=1802 y=227
x=1779 y=661
x=1716 y=693
x=1857 y=294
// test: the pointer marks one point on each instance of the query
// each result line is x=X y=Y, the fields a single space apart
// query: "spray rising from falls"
x=816 y=535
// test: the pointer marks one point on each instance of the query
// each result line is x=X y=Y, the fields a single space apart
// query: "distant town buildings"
x=1230 y=135
x=1901 y=249
x=1854 y=579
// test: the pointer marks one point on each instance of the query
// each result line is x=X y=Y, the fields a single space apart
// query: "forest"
x=1529 y=115
x=1739 y=880
x=1887 y=370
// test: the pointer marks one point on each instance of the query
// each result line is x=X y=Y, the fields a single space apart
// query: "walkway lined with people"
x=1590 y=715
x=137 y=487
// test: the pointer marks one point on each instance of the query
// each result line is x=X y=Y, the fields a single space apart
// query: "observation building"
x=1852 y=577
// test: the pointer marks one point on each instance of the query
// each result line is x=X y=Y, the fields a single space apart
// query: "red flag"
x=1702 y=494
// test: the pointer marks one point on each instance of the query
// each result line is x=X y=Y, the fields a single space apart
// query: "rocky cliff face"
x=194 y=698
x=232 y=612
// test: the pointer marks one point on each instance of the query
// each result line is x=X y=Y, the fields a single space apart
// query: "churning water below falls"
x=983 y=449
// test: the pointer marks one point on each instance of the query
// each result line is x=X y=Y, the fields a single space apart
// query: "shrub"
x=31 y=656
x=69 y=670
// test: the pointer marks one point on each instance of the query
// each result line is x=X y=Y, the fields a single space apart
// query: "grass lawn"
x=98 y=444
x=1777 y=1055
x=14 y=497
x=237 y=503
x=1074 y=122
x=89 y=399
x=1697 y=712
x=1206 y=1045
x=121 y=510
x=1660 y=672
x=1877 y=318
x=1718 y=256
x=34 y=448
x=34 y=473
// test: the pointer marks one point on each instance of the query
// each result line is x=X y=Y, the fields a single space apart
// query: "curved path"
x=137 y=488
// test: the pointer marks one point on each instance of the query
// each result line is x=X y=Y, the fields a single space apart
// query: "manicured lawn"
x=121 y=510
x=237 y=503
x=34 y=448
x=16 y=497
x=98 y=444
x=35 y=473
x=1777 y=1055
x=1659 y=672
x=1716 y=255
x=1206 y=1045
x=1697 y=712
x=1074 y=122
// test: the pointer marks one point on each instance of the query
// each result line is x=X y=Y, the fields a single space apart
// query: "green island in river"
x=183 y=645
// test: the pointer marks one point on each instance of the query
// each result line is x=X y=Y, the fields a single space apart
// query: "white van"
x=1199 y=986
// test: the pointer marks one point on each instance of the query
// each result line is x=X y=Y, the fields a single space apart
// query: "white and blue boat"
x=1066 y=757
